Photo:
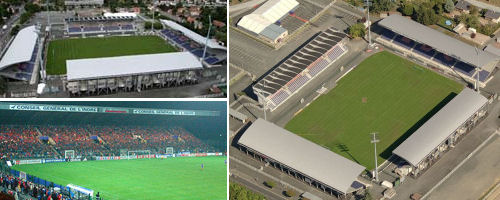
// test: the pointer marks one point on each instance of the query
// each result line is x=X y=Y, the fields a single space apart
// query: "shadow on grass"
x=388 y=151
x=344 y=149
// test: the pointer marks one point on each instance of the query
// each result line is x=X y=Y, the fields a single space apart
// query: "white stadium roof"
x=191 y=34
x=267 y=14
x=21 y=48
x=440 y=126
x=301 y=155
x=94 y=68
x=123 y=14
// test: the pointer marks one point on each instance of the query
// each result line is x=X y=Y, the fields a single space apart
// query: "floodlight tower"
x=374 y=141
x=154 y=10
x=208 y=36
x=265 y=102
x=368 y=4
x=48 y=15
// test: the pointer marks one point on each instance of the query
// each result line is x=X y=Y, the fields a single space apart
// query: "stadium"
x=418 y=114
x=121 y=150
x=107 y=54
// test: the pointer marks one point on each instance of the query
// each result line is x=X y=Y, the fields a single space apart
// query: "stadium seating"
x=444 y=59
x=74 y=29
x=127 y=27
x=404 y=42
x=297 y=83
x=464 y=68
x=212 y=60
x=22 y=142
x=483 y=75
x=279 y=97
x=424 y=50
x=388 y=34
x=317 y=67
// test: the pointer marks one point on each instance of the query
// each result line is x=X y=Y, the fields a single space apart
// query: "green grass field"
x=67 y=49
x=173 y=178
x=384 y=94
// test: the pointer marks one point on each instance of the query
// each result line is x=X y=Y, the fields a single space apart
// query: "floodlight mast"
x=476 y=85
x=369 y=23
x=208 y=36
x=374 y=141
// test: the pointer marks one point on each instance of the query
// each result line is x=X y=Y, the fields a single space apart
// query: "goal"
x=169 y=150
x=69 y=154
x=138 y=154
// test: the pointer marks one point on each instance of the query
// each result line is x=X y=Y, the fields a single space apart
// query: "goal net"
x=169 y=150
x=139 y=154
x=69 y=154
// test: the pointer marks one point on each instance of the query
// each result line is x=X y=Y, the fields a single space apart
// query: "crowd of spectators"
x=17 y=188
x=44 y=141
x=22 y=142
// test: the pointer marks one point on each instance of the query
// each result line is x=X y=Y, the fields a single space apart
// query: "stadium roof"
x=22 y=47
x=191 y=34
x=299 y=61
x=438 y=40
x=301 y=155
x=94 y=68
x=440 y=126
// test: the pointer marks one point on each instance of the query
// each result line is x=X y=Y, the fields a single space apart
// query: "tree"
x=270 y=184
x=382 y=5
x=14 y=30
x=407 y=8
x=357 y=30
x=438 y=8
x=449 y=6
x=426 y=16
x=290 y=193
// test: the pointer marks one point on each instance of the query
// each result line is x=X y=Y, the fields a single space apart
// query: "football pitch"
x=172 y=178
x=67 y=49
x=385 y=94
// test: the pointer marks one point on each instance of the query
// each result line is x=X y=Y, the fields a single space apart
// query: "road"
x=5 y=34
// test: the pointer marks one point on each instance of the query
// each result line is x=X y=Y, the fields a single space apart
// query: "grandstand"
x=295 y=72
x=443 y=131
x=21 y=60
x=104 y=75
x=91 y=26
x=438 y=50
x=264 y=21
x=194 y=43
x=302 y=159
x=36 y=137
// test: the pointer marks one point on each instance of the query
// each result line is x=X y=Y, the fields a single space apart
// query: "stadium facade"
x=101 y=25
x=104 y=75
x=300 y=68
x=83 y=3
x=302 y=159
x=21 y=58
x=265 y=19
x=437 y=50
x=442 y=131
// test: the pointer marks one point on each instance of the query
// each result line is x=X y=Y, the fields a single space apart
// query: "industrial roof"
x=440 y=126
x=299 y=61
x=22 y=47
x=273 y=10
x=439 y=41
x=191 y=34
x=301 y=155
x=94 y=68
x=492 y=14
x=254 y=23
x=266 y=15
x=273 y=31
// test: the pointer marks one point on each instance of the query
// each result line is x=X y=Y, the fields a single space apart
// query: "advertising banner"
x=57 y=108
x=31 y=161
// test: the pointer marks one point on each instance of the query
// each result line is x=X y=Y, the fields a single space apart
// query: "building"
x=442 y=131
x=262 y=21
x=296 y=71
x=83 y=3
x=300 y=158
x=103 y=75
x=21 y=61
x=437 y=50
x=493 y=16
x=463 y=6
x=110 y=23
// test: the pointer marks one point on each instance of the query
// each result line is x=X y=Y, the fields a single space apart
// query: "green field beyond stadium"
x=172 y=178
x=384 y=94
x=67 y=49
